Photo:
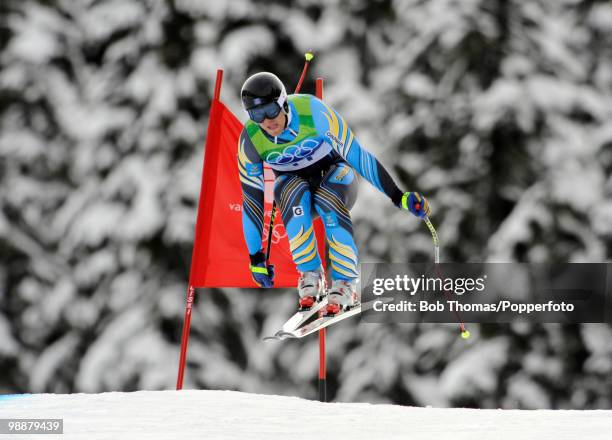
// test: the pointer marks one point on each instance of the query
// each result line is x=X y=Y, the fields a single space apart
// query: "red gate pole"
x=322 y=332
x=322 y=367
x=191 y=288
x=185 y=338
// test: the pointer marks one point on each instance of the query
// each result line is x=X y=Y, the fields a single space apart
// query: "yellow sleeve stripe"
x=329 y=122
x=347 y=146
x=254 y=181
x=344 y=128
x=241 y=155
x=332 y=120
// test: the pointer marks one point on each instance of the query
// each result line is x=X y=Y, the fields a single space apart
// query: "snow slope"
x=232 y=415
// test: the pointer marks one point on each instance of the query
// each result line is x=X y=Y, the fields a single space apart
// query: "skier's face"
x=275 y=126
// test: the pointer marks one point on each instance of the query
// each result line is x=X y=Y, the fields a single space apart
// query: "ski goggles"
x=264 y=111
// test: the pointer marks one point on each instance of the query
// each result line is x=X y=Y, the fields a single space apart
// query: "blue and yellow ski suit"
x=313 y=160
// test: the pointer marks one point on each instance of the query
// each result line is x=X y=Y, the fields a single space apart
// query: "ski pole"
x=308 y=56
x=434 y=237
x=465 y=334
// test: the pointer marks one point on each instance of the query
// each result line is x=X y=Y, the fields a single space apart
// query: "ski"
x=325 y=321
x=296 y=321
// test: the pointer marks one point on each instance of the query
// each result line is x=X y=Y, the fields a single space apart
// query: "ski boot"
x=311 y=288
x=341 y=297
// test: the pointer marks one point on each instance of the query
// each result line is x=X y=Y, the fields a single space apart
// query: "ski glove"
x=415 y=203
x=263 y=275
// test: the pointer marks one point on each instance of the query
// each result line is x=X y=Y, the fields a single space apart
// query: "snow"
x=468 y=375
x=418 y=85
x=51 y=360
x=601 y=17
x=35 y=41
x=526 y=393
x=598 y=340
x=301 y=29
x=230 y=415
x=104 y=19
x=9 y=345
x=242 y=45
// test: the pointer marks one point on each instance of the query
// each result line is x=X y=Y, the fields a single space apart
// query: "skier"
x=314 y=156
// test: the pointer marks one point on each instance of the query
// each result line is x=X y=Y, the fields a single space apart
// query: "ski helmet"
x=263 y=88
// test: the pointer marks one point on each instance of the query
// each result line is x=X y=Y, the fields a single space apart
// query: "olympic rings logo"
x=293 y=153
x=278 y=233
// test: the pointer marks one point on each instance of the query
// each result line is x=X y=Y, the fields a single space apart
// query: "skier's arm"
x=250 y=168
x=337 y=132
